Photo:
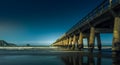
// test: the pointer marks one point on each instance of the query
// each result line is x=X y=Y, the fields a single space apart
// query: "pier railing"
x=103 y=7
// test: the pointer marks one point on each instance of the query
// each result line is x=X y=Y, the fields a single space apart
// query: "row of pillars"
x=77 y=41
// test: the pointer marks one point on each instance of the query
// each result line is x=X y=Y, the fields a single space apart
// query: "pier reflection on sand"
x=90 y=59
x=58 y=58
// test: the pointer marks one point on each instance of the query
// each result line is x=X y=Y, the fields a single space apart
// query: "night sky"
x=41 y=22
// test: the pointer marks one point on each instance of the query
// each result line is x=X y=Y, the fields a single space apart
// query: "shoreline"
x=47 y=48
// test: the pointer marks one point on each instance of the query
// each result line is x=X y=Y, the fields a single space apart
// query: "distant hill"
x=4 y=43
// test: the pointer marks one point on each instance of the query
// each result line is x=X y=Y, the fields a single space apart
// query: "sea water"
x=56 y=57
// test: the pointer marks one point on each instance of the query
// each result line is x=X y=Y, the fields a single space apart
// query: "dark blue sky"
x=40 y=21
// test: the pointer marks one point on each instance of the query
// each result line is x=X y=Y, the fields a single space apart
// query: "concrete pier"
x=105 y=18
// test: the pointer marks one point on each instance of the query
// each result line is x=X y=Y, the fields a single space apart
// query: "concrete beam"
x=103 y=30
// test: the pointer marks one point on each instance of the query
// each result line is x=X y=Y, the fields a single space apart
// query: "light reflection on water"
x=60 y=58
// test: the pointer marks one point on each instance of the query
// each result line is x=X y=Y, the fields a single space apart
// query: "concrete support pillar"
x=98 y=41
x=70 y=42
x=116 y=35
x=67 y=42
x=88 y=41
x=64 y=42
x=59 y=43
x=80 y=43
x=77 y=41
x=74 y=42
x=92 y=38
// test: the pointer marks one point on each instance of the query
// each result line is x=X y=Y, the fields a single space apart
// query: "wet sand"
x=56 y=56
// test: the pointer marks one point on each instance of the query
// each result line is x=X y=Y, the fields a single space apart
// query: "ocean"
x=56 y=56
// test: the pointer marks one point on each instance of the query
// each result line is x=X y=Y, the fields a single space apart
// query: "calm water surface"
x=57 y=58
